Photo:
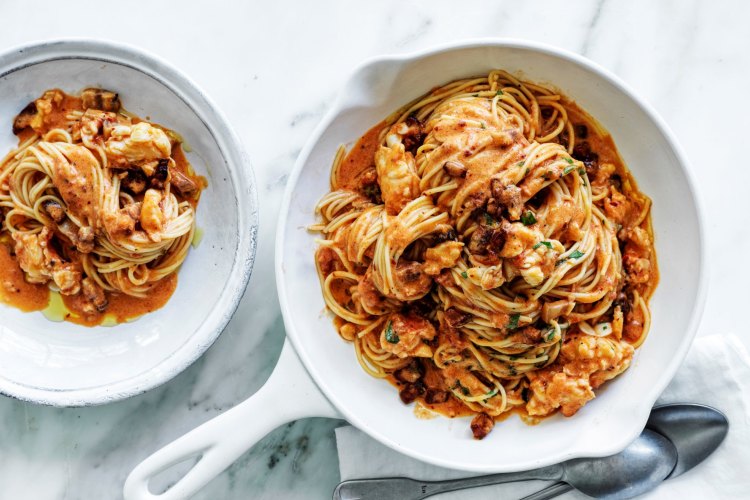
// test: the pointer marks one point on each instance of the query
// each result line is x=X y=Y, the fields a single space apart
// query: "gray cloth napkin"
x=716 y=372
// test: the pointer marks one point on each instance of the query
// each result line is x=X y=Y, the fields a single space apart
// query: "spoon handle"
x=553 y=472
x=549 y=492
x=401 y=488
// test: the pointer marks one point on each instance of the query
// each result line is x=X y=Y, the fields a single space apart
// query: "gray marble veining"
x=274 y=68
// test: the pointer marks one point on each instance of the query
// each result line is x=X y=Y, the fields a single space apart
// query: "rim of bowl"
x=647 y=400
x=243 y=180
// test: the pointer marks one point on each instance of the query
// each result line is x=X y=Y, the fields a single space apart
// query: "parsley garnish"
x=581 y=171
x=483 y=125
x=513 y=323
x=569 y=160
x=520 y=164
x=489 y=220
x=568 y=170
x=458 y=385
x=499 y=92
x=489 y=394
x=545 y=243
x=528 y=218
x=575 y=255
x=550 y=335
x=390 y=336
x=464 y=275
x=476 y=95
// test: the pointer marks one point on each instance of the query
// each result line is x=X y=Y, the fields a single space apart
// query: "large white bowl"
x=604 y=426
x=64 y=364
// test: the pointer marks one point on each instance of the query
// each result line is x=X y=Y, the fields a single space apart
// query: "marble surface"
x=274 y=68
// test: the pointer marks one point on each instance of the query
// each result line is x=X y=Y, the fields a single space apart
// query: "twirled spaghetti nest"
x=476 y=258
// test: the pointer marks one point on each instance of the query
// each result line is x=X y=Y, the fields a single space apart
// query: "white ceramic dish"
x=604 y=426
x=64 y=364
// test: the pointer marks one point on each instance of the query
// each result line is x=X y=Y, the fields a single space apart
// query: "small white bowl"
x=64 y=364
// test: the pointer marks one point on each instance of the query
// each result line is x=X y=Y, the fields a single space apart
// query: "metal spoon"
x=640 y=467
x=695 y=430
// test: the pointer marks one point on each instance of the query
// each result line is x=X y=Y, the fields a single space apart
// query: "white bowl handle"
x=289 y=394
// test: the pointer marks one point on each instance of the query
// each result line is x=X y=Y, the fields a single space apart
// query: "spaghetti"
x=96 y=203
x=485 y=249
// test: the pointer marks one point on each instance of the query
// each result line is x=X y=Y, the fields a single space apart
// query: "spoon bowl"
x=639 y=468
x=695 y=430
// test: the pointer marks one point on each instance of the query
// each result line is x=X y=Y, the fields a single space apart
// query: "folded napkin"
x=716 y=372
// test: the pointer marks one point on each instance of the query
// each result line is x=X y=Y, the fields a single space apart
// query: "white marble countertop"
x=274 y=68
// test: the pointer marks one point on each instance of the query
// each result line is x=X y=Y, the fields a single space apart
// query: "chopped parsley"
x=489 y=220
x=390 y=335
x=499 y=92
x=484 y=125
x=489 y=394
x=545 y=243
x=476 y=95
x=581 y=171
x=569 y=160
x=568 y=170
x=463 y=389
x=513 y=323
x=464 y=275
x=549 y=335
x=520 y=164
x=575 y=255
x=528 y=218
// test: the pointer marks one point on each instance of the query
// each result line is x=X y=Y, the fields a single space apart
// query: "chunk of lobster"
x=442 y=256
x=41 y=262
x=137 y=144
x=585 y=363
x=152 y=217
x=397 y=173
x=404 y=335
